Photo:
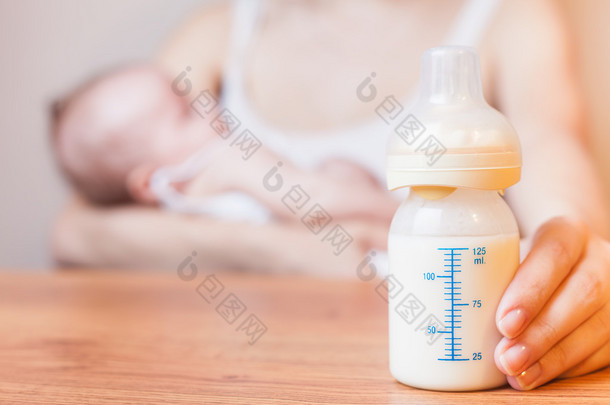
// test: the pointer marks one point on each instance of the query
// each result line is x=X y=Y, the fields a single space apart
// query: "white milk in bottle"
x=453 y=245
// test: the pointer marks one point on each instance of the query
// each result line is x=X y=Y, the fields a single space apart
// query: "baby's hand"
x=555 y=314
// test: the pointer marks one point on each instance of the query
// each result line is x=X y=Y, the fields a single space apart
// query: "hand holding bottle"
x=555 y=314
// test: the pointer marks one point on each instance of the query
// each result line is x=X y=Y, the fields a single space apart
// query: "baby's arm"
x=344 y=190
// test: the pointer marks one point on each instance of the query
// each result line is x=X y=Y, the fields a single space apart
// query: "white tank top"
x=361 y=144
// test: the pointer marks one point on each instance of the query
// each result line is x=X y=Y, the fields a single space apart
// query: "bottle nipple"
x=451 y=75
x=451 y=137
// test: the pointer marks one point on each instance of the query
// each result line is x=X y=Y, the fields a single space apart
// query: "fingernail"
x=514 y=359
x=528 y=378
x=510 y=326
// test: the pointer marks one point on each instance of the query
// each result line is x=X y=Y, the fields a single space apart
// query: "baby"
x=115 y=131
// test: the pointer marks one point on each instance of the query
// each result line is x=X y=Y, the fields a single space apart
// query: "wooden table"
x=79 y=337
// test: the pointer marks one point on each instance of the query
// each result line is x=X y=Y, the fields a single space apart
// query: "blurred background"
x=48 y=47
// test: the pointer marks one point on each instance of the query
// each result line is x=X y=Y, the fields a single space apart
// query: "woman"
x=291 y=68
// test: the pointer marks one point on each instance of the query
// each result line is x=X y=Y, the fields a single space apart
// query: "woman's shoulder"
x=201 y=42
x=528 y=21
x=527 y=34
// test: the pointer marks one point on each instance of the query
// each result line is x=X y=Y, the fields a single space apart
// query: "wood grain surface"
x=102 y=337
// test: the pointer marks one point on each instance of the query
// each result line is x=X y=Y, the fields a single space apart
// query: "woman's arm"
x=538 y=91
x=136 y=236
x=555 y=314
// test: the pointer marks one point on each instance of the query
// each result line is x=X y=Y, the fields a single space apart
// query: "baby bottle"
x=453 y=245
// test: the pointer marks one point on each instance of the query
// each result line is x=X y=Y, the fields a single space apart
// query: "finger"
x=598 y=360
x=579 y=297
x=556 y=248
x=573 y=350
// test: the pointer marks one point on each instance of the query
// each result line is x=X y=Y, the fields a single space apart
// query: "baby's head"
x=111 y=133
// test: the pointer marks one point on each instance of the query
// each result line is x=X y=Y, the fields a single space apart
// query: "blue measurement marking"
x=452 y=289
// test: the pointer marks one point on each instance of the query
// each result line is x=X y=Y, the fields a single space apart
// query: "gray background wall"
x=47 y=47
